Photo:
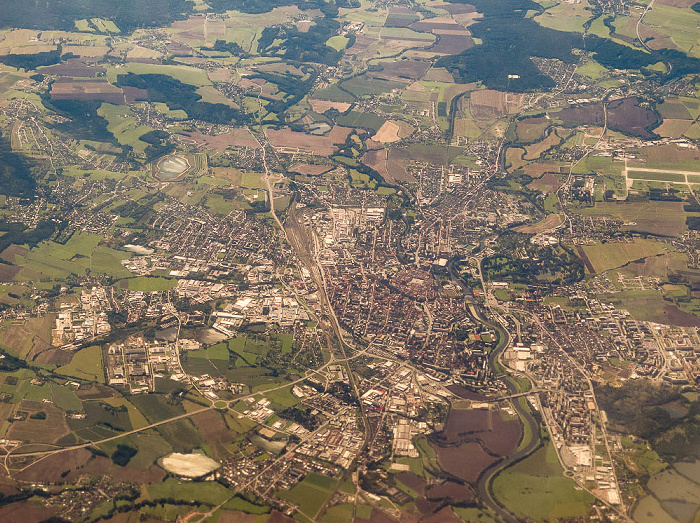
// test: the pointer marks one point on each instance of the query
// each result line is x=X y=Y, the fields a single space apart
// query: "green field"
x=105 y=26
x=599 y=165
x=339 y=514
x=184 y=73
x=361 y=119
x=536 y=488
x=86 y=364
x=156 y=407
x=150 y=283
x=25 y=390
x=645 y=458
x=467 y=128
x=404 y=32
x=213 y=360
x=167 y=512
x=679 y=24
x=654 y=216
x=208 y=493
x=124 y=126
x=283 y=398
x=135 y=417
x=363 y=86
x=647 y=305
x=659 y=177
x=65 y=398
x=218 y=352
x=287 y=340
x=176 y=114
x=338 y=42
x=81 y=252
x=181 y=435
x=565 y=17
x=310 y=494
x=592 y=70
x=84 y=25
x=606 y=256
x=253 y=181
x=248 y=349
x=333 y=94
x=243 y=505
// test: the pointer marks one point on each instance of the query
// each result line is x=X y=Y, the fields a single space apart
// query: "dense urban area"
x=266 y=261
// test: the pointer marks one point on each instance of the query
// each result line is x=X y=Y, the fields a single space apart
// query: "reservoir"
x=171 y=167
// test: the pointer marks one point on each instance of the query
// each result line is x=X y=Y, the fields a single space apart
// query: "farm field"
x=135 y=417
x=81 y=251
x=535 y=150
x=124 y=126
x=209 y=493
x=310 y=494
x=296 y=141
x=460 y=448
x=537 y=489
x=607 y=256
x=47 y=429
x=149 y=284
x=666 y=157
x=29 y=339
x=267 y=261
x=187 y=75
x=156 y=408
x=86 y=364
x=666 y=218
x=550 y=222
x=656 y=176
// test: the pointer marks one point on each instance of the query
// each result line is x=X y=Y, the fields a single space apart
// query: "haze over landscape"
x=426 y=261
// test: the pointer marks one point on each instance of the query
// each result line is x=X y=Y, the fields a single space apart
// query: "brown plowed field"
x=26 y=512
x=412 y=481
x=87 y=89
x=444 y=516
x=213 y=429
x=321 y=106
x=452 y=43
x=13 y=250
x=74 y=68
x=624 y=115
x=50 y=469
x=57 y=357
x=47 y=430
x=454 y=491
x=487 y=103
x=221 y=142
x=472 y=439
x=404 y=69
x=278 y=517
x=233 y=516
x=466 y=393
x=677 y=316
x=310 y=169
x=464 y=461
x=550 y=222
x=320 y=145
